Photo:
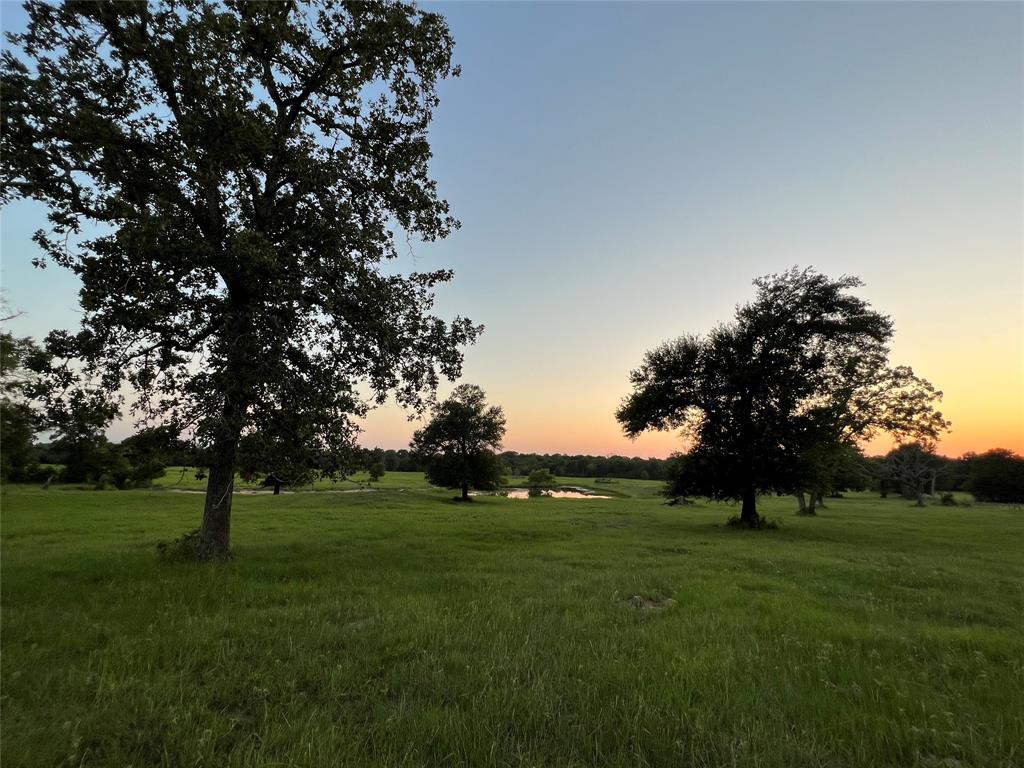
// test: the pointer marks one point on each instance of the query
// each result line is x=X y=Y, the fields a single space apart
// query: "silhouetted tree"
x=251 y=163
x=19 y=419
x=585 y=466
x=801 y=367
x=828 y=468
x=149 y=451
x=912 y=468
x=282 y=458
x=375 y=470
x=458 y=443
x=79 y=419
x=997 y=475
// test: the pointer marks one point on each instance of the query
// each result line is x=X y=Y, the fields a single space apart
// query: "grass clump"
x=185 y=548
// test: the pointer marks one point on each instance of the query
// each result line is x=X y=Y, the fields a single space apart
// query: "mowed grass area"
x=397 y=628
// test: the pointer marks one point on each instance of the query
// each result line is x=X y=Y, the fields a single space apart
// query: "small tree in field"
x=375 y=470
x=913 y=468
x=540 y=478
x=249 y=166
x=803 y=368
x=458 y=444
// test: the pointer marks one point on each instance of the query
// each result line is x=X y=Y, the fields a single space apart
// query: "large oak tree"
x=801 y=369
x=249 y=167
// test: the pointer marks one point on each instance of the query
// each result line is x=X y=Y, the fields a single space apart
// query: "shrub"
x=540 y=477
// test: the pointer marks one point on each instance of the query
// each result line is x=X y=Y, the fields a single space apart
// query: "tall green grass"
x=396 y=628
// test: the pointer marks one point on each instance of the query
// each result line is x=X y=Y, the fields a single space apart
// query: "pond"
x=561 y=492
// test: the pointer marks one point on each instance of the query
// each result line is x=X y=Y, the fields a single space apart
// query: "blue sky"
x=623 y=170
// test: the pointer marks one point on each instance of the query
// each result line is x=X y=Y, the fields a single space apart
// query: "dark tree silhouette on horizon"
x=803 y=367
x=997 y=475
x=249 y=166
x=458 y=444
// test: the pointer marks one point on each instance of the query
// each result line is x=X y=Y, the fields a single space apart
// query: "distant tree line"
x=577 y=465
x=515 y=463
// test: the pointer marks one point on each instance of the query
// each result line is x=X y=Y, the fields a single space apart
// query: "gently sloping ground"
x=397 y=629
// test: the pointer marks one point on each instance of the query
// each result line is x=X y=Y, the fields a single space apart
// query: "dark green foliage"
x=515 y=463
x=565 y=465
x=480 y=471
x=93 y=459
x=540 y=478
x=79 y=418
x=150 y=451
x=373 y=461
x=401 y=460
x=251 y=165
x=19 y=420
x=18 y=458
x=184 y=549
x=375 y=471
x=280 y=461
x=912 y=470
x=769 y=398
x=850 y=471
x=997 y=475
x=458 y=444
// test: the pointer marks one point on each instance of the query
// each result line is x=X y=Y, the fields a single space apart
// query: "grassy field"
x=398 y=628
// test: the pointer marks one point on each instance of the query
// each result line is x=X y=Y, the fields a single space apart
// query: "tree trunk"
x=277 y=487
x=748 y=512
x=821 y=501
x=812 y=507
x=215 y=535
x=465 y=491
x=920 y=499
x=802 y=501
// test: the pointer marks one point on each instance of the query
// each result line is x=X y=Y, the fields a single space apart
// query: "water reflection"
x=555 y=493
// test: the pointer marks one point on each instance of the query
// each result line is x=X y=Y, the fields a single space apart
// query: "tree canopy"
x=458 y=443
x=19 y=419
x=802 y=367
x=997 y=475
x=913 y=468
x=248 y=167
